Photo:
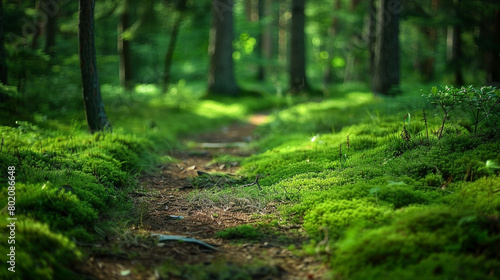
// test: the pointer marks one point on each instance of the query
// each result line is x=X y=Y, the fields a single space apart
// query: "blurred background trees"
x=239 y=44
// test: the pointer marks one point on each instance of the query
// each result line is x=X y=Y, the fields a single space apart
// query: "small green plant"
x=447 y=98
x=405 y=134
x=344 y=157
x=482 y=102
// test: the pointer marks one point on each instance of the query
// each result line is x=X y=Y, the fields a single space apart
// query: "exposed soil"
x=162 y=208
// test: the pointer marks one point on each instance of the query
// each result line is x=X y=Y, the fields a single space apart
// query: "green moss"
x=40 y=253
x=435 y=267
x=482 y=196
x=60 y=209
x=414 y=236
x=239 y=232
x=404 y=195
x=333 y=217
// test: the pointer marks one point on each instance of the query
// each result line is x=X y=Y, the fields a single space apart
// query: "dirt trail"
x=162 y=200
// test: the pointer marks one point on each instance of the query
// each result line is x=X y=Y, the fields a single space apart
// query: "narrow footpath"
x=164 y=209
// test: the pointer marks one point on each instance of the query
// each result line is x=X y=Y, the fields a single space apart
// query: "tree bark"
x=372 y=37
x=94 y=107
x=456 y=54
x=264 y=48
x=298 y=81
x=221 y=78
x=3 y=62
x=386 y=60
x=51 y=11
x=37 y=28
x=170 y=51
x=125 y=67
x=490 y=33
x=454 y=45
x=425 y=54
x=333 y=30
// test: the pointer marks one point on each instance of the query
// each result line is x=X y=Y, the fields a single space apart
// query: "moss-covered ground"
x=378 y=186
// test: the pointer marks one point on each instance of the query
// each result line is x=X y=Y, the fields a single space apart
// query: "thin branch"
x=256 y=182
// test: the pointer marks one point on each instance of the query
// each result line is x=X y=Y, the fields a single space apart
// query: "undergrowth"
x=390 y=188
x=71 y=187
x=386 y=188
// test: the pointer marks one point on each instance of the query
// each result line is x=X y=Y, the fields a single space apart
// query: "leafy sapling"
x=481 y=102
x=446 y=98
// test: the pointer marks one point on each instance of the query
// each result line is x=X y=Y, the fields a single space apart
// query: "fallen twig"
x=256 y=182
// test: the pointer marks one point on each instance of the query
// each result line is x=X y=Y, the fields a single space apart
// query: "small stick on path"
x=256 y=182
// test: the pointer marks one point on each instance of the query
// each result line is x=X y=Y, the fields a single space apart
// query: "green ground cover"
x=384 y=192
x=71 y=187
x=381 y=191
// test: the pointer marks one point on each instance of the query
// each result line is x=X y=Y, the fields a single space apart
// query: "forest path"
x=164 y=209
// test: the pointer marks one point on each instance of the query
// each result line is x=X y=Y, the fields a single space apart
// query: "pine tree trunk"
x=490 y=33
x=221 y=78
x=386 y=60
x=264 y=48
x=125 y=68
x=170 y=51
x=456 y=54
x=298 y=80
x=94 y=107
x=51 y=10
x=37 y=28
x=372 y=37
x=333 y=30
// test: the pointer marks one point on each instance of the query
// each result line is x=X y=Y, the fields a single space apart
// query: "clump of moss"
x=40 y=252
x=240 y=232
x=335 y=216
x=482 y=195
x=403 y=195
x=436 y=266
x=59 y=208
x=413 y=238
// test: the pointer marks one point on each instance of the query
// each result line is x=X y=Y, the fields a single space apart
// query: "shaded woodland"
x=276 y=139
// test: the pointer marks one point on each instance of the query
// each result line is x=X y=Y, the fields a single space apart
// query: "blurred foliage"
x=49 y=255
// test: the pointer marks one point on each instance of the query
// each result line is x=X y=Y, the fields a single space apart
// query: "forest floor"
x=164 y=208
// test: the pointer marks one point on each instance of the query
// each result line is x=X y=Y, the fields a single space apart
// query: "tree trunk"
x=298 y=80
x=372 y=37
x=425 y=59
x=282 y=34
x=454 y=45
x=3 y=63
x=125 y=68
x=37 y=28
x=354 y=4
x=456 y=54
x=264 y=48
x=221 y=78
x=51 y=10
x=94 y=107
x=386 y=60
x=333 y=30
x=170 y=51
x=490 y=33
